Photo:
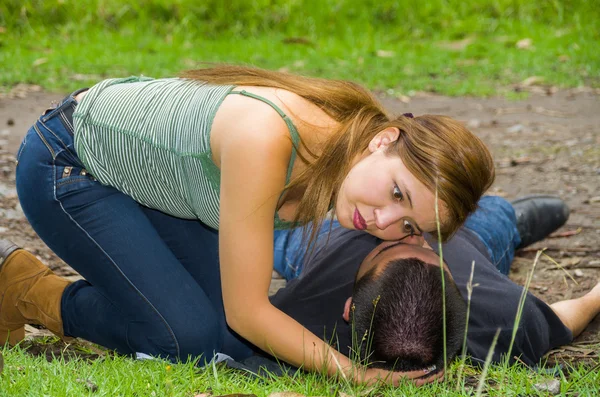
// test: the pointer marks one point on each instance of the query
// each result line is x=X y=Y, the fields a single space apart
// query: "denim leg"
x=290 y=252
x=286 y=258
x=495 y=224
x=196 y=247
x=137 y=296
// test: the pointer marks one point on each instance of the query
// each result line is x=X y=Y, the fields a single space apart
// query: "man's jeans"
x=152 y=281
x=494 y=222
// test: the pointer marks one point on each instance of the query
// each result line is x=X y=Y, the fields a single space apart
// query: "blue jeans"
x=152 y=283
x=494 y=222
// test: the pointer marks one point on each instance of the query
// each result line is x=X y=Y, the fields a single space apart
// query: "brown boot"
x=30 y=293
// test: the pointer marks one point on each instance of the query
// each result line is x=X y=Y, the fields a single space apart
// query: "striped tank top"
x=150 y=139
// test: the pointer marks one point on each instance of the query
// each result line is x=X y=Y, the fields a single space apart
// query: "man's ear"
x=347 y=307
x=384 y=138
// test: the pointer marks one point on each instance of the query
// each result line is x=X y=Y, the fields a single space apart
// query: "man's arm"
x=576 y=314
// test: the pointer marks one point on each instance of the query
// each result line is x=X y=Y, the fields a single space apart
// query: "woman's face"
x=380 y=196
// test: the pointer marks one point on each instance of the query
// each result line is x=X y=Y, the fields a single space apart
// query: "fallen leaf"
x=524 y=44
x=457 y=45
x=533 y=80
x=552 y=386
x=385 y=54
x=581 y=350
x=33 y=332
x=568 y=233
x=39 y=61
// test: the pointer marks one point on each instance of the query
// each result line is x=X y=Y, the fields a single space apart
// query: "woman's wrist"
x=370 y=376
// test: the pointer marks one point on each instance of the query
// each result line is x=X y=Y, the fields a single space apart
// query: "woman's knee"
x=179 y=339
x=200 y=337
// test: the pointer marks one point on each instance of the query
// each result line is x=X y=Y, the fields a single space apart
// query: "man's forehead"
x=381 y=257
x=402 y=250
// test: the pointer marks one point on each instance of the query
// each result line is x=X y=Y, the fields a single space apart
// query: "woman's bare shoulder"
x=303 y=112
x=242 y=114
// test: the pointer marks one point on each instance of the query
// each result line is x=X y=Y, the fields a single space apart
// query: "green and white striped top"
x=150 y=139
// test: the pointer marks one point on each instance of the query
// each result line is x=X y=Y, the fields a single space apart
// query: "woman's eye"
x=397 y=193
x=408 y=228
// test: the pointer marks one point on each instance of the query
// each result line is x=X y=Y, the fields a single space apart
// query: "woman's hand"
x=372 y=376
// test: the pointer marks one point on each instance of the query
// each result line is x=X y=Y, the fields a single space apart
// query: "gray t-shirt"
x=316 y=299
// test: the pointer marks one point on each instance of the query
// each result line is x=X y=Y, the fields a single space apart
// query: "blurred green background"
x=454 y=47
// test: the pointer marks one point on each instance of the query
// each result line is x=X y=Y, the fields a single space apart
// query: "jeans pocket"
x=70 y=180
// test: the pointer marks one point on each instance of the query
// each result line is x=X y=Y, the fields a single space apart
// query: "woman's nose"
x=387 y=216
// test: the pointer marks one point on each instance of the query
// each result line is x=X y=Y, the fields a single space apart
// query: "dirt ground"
x=548 y=143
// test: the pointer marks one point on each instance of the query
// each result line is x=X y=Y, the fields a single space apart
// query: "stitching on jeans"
x=44 y=141
x=115 y=265
x=66 y=121
x=60 y=140
x=72 y=180
x=23 y=144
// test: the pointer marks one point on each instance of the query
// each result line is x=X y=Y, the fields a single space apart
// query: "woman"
x=115 y=179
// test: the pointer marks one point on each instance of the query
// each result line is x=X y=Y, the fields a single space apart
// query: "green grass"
x=25 y=375
x=447 y=46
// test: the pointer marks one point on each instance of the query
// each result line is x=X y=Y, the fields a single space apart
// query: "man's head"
x=397 y=308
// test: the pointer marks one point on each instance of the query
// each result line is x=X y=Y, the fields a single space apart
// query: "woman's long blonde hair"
x=437 y=150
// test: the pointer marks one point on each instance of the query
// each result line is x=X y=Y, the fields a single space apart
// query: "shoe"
x=30 y=293
x=538 y=216
x=7 y=247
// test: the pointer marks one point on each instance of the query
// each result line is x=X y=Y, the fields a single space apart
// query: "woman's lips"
x=358 y=221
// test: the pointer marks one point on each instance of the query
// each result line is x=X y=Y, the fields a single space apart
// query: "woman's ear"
x=383 y=139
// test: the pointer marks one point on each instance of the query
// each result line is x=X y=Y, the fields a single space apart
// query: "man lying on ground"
x=396 y=296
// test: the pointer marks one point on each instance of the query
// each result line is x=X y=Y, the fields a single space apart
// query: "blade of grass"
x=519 y=314
x=560 y=267
x=486 y=366
x=463 y=355
x=441 y=255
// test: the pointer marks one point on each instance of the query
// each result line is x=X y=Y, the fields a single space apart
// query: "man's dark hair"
x=398 y=316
